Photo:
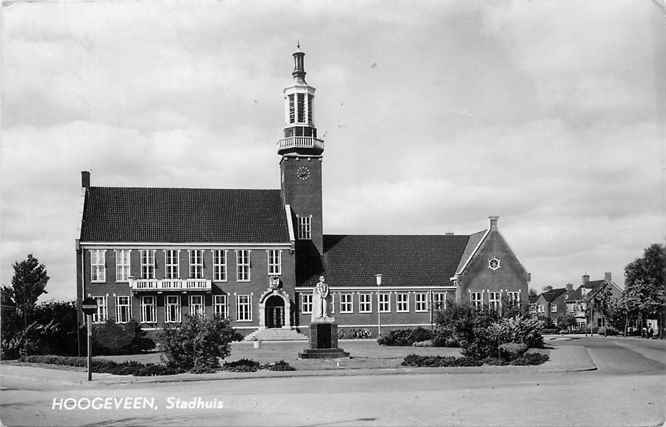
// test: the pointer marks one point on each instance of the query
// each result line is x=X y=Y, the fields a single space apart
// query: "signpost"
x=89 y=306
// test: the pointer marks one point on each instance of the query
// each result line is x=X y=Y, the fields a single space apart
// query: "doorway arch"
x=274 y=312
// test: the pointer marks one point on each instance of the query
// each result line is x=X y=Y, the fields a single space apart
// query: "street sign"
x=89 y=306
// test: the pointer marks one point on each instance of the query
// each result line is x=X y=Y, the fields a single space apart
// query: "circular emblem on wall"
x=494 y=263
x=303 y=173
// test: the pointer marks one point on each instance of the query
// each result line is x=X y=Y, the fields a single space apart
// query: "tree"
x=644 y=285
x=532 y=292
x=28 y=284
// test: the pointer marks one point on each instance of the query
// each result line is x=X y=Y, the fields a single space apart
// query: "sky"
x=436 y=115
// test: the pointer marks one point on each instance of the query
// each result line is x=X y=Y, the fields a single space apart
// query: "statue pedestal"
x=323 y=340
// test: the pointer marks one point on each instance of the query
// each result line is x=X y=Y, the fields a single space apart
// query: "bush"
x=198 y=344
x=530 y=359
x=279 y=366
x=444 y=337
x=353 y=333
x=120 y=338
x=485 y=341
x=242 y=365
x=405 y=337
x=106 y=366
x=439 y=361
x=512 y=350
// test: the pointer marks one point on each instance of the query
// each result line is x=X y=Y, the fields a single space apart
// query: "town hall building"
x=254 y=256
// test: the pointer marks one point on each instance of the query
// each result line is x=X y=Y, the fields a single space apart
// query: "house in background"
x=550 y=304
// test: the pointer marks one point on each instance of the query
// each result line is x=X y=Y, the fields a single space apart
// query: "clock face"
x=494 y=263
x=303 y=173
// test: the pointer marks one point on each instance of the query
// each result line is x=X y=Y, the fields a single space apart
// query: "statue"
x=320 y=298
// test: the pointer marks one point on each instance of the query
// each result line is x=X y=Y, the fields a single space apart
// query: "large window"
x=553 y=308
x=101 y=315
x=171 y=264
x=243 y=265
x=148 y=309
x=364 y=303
x=196 y=305
x=306 y=303
x=300 y=107
x=220 y=265
x=493 y=301
x=122 y=265
x=346 y=303
x=402 y=302
x=476 y=300
x=196 y=264
x=384 y=303
x=243 y=308
x=220 y=306
x=274 y=262
x=122 y=309
x=439 y=301
x=420 y=302
x=304 y=227
x=97 y=265
x=292 y=112
x=172 y=308
x=513 y=297
x=148 y=264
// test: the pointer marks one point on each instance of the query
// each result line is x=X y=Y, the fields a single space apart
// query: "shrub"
x=120 y=338
x=405 y=337
x=530 y=359
x=512 y=350
x=439 y=361
x=106 y=366
x=242 y=365
x=444 y=337
x=279 y=366
x=198 y=344
x=485 y=341
x=353 y=333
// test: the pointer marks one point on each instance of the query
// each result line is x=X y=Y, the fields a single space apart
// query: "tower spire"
x=299 y=67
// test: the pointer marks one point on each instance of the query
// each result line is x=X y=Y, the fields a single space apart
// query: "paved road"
x=627 y=389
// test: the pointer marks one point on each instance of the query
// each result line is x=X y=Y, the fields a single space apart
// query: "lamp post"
x=89 y=306
x=378 y=278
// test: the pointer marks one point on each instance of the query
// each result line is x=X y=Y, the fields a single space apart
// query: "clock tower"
x=300 y=166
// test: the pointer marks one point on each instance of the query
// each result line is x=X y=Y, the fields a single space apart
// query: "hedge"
x=106 y=366
x=444 y=361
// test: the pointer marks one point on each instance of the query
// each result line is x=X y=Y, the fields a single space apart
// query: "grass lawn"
x=364 y=354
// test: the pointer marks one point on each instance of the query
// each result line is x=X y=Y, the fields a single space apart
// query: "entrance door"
x=274 y=312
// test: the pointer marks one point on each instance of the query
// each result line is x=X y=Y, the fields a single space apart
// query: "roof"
x=183 y=215
x=402 y=260
x=470 y=248
x=553 y=294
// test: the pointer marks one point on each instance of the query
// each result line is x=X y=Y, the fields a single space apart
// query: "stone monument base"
x=323 y=341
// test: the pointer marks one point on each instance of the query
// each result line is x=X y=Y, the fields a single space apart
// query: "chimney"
x=607 y=276
x=85 y=179
x=569 y=287
x=493 y=222
x=586 y=279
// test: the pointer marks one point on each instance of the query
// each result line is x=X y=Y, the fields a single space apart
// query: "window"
x=97 y=265
x=300 y=107
x=220 y=306
x=493 y=300
x=220 y=265
x=122 y=265
x=274 y=262
x=196 y=264
x=171 y=264
x=172 y=308
x=122 y=309
x=514 y=298
x=384 y=303
x=304 y=227
x=243 y=265
x=292 y=116
x=541 y=308
x=196 y=305
x=553 y=308
x=100 y=316
x=439 y=301
x=346 y=301
x=310 y=98
x=402 y=303
x=476 y=300
x=147 y=264
x=243 y=309
x=306 y=303
x=364 y=303
x=421 y=302
x=148 y=309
